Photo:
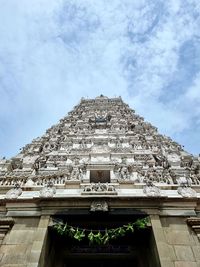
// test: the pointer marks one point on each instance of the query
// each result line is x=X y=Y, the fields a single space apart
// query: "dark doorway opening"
x=134 y=249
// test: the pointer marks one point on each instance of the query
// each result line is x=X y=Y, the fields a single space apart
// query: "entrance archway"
x=136 y=249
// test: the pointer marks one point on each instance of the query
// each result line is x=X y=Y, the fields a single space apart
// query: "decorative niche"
x=100 y=176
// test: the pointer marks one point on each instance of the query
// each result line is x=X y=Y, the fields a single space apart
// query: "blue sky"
x=53 y=52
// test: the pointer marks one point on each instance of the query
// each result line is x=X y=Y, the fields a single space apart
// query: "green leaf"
x=91 y=237
x=79 y=235
x=130 y=227
x=98 y=237
x=141 y=223
x=71 y=231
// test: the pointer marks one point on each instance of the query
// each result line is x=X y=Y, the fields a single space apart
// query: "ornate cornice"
x=194 y=223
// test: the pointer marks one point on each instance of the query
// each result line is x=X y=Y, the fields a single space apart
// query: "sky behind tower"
x=53 y=52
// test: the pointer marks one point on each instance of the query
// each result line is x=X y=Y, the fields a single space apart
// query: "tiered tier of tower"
x=101 y=140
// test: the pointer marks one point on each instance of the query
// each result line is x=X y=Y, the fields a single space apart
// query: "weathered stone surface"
x=196 y=251
x=40 y=236
x=175 y=223
x=167 y=264
x=17 y=249
x=19 y=236
x=14 y=259
x=177 y=237
x=166 y=252
x=186 y=264
x=184 y=253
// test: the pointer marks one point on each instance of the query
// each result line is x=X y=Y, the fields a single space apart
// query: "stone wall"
x=16 y=246
x=177 y=244
x=23 y=245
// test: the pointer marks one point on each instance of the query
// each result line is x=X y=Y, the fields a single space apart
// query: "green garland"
x=99 y=237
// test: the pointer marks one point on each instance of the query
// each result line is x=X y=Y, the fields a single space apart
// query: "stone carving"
x=16 y=163
x=29 y=182
x=48 y=191
x=100 y=116
x=83 y=143
x=99 y=188
x=161 y=161
x=142 y=157
x=151 y=175
x=140 y=175
x=184 y=180
x=76 y=174
x=78 y=170
x=123 y=173
x=116 y=131
x=151 y=190
x=166 y=177
x=99 y=205
x=14 y=193
x=40 y=163
x=186 y=191
x=123 y=170
x=118 y=143
x=195 y=179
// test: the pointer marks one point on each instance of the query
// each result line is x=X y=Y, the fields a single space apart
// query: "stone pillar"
x=16 y=245
x=165 y=251
x=183 y=240
x=37 y=254
x=177 y=244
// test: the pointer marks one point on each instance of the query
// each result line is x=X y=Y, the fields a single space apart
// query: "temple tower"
x=101 y=167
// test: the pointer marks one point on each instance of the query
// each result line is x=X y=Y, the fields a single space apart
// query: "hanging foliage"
x=99 y=237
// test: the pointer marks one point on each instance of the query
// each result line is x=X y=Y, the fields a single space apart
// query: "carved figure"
x=151 y=190
x=186 y=191
x=99 y=187
x=14 y=192
x=99 y=206
x=76 y=173
x=124 y=173
x=48 y=191
x=161 y=161
x=100 y=116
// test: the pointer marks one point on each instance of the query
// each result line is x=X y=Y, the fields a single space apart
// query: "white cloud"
x=54 y=52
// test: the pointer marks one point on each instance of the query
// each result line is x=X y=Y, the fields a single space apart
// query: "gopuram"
x=100 y=188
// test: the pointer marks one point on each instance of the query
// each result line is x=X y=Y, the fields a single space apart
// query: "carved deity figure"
x=78 y=170
x=76 y=173
x=124 y=173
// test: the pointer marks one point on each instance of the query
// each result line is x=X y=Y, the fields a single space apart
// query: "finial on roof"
x=101 y=96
